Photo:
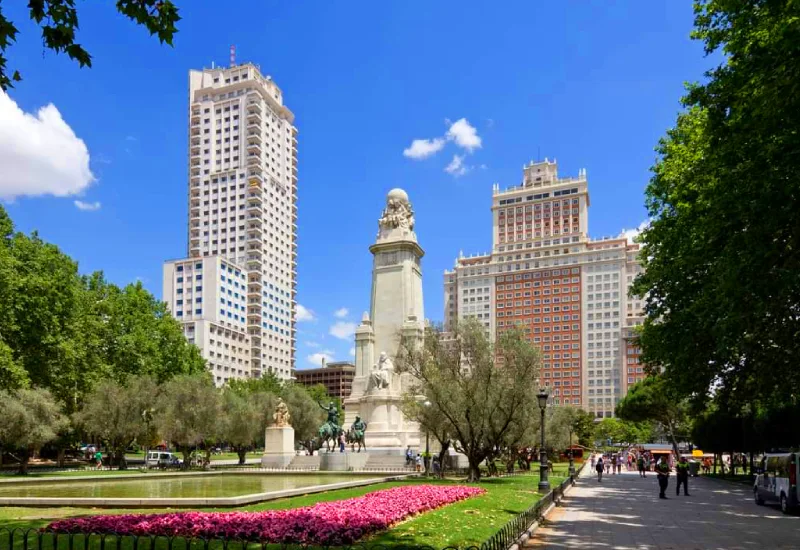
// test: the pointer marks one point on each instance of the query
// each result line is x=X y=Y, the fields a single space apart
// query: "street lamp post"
x=544 y=484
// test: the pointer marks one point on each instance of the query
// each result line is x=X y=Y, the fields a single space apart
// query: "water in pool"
x=176 y=487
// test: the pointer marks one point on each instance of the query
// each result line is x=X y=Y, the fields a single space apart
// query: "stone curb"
x=531 y=530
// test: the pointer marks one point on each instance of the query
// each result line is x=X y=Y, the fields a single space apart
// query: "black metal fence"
x=514 y=529
x=40 y=539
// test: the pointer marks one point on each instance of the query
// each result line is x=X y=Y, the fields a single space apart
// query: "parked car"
x=777 y=481
x=162 y=459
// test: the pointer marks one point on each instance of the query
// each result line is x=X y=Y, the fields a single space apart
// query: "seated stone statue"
x=382 y=373
x=281 y=415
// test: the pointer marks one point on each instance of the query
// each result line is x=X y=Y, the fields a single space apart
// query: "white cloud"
x=464 y=134
x=631 y=234
x=316 y=358
x=341 y=313
x=342 y=330
x=89 y=206
x=40 y=154
x=352 y=352
x=423 y=148
x=456 y=166
x=304 y=314
x=311 y=344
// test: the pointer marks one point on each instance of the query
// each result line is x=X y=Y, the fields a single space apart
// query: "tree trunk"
x=187 y=454
x=23 y=462
x=60 y=459
x=474 y=474
x=119 y=457
x=242 y=452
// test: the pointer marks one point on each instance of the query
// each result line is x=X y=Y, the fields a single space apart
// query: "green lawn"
x=465 y=523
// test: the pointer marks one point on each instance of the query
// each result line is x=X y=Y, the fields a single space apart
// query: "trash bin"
x=694 y=468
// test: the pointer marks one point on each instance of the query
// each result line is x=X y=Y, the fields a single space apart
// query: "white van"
x=161 y=459
x=777 y=481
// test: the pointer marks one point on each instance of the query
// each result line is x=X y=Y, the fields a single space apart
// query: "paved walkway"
x=624 y=512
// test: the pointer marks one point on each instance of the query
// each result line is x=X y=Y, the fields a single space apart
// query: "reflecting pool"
x=199 y=486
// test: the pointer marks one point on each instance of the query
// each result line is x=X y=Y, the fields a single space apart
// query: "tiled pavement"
x=624 y=512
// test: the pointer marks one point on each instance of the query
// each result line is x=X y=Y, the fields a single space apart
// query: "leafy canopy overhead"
x=722 y=254
x=58 y=20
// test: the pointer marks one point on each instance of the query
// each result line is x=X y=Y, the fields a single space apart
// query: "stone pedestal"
x=279 y=447
x=342 y=462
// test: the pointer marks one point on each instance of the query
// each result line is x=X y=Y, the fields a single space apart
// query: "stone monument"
x=396 y=312
x=279 y=446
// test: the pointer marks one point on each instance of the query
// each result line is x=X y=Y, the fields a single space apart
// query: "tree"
x=486 y=393
x=117 y=414
x=192 y=414
x=245 y=417
x=583 y=425
x=722 y=253
x=653 y=399
x=58 y=20
x=29 y=418
x=307 y=417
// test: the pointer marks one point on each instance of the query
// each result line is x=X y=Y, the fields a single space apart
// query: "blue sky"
x=592 y=83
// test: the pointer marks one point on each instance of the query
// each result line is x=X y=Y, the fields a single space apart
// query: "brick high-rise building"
x=242 y=197
x=547 y=277
x=337 y=377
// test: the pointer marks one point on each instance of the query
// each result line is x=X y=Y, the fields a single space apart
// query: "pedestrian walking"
x=640 y=466
x=409 y=456
x=341 y=443
x=98 y=458
x=614 y=464
x=619 y=464
x=682 y=473
x=419 y=462
x=662 y=471
x=599 y=468
x=593 y=460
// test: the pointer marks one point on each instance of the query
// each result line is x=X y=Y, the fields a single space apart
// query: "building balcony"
x=253 y=128
x=254 y=117
x=195 y=161
x=254 y=278
x=194 y=170
x=194 y=212
x=254 y=165
x=254 y=137
x=254 y=148
x=194 y=191
x=255 y=177
x=195 y=140
x=195 y=131
x=254 y=106
x=254 y=262
x=254 y=198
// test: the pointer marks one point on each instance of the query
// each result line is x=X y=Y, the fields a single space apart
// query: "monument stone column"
x=396 y=312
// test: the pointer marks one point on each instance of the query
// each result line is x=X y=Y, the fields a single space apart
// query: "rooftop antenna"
x=233 y=55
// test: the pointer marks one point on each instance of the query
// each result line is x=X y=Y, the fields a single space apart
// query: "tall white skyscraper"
x=235 y=293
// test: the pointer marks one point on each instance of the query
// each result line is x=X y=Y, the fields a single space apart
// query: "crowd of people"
x=644 y=461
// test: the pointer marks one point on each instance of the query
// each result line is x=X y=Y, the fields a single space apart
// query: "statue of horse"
x=329 y=433
x=354 y=437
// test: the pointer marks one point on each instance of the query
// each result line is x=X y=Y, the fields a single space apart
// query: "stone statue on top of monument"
x=381 y=376
x=398 y=213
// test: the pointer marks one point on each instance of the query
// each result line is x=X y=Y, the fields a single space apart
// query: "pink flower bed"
x=325 y=523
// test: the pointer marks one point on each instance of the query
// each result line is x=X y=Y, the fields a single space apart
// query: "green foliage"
x=117 y=414
x=307 y=417
x=653 y=399
x=29 y=418
x=58 y=20
x=66 y=333
x=192 y=413
x=485 y=393
x=244 y=417
x=722 y=254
